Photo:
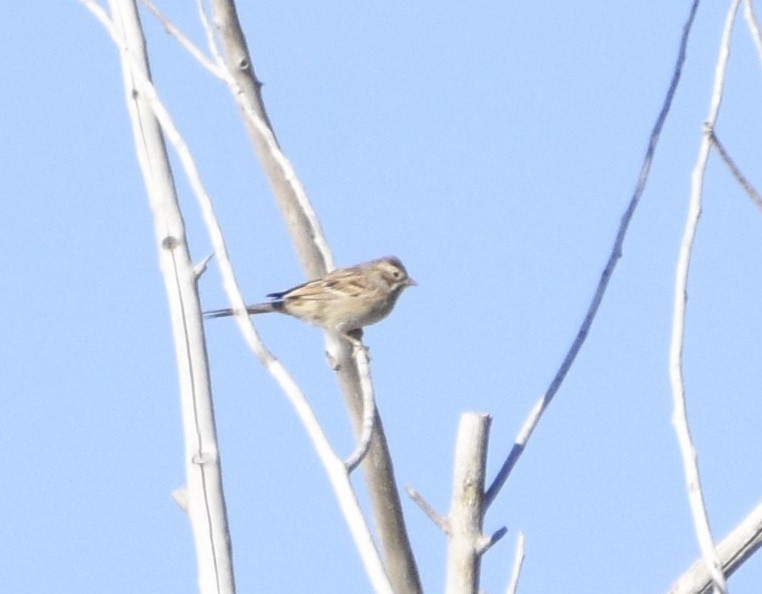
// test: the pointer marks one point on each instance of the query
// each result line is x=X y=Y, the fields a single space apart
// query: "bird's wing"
x=345 y=282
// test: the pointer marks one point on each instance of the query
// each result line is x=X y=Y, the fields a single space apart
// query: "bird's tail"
x=257 y=308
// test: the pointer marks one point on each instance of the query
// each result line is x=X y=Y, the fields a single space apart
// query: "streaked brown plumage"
x=344 y=300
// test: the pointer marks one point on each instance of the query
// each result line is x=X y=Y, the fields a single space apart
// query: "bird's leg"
x=355 y=338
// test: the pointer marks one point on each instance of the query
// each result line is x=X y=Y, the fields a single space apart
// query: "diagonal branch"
x=734 y=170
x=734 y=550
x=316 y=258
x=579 y=340
x=173 y=30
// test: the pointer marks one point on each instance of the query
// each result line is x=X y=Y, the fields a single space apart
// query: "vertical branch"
x=205 y=498
x=466 y=543
x=734 y=169
x=316 y=258
x=362 y=361
x=680 y=413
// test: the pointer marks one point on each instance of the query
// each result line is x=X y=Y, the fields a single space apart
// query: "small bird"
x=344 y=300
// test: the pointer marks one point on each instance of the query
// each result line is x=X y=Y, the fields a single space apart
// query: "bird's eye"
x=397 y=274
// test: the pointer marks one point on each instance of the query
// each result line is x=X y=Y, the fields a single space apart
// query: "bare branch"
x=579 y=340
x=485 y=543
x=680 y=413
x=467 y=506
x=751 y=20
x=300 y=217
x=733 y=551
x=439 y=520
x=518 y=561
x=209 y=32
x=200 y=268
x=173 y=30
x=368 y=405
x=204 y=498
x=745 y=183
x=316 y=258
x=180 y=497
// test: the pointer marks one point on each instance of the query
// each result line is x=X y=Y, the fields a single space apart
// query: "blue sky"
x=493 y=148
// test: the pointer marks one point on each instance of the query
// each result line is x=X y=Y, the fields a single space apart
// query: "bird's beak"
x=410 y=282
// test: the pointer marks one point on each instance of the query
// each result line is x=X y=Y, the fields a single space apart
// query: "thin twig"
x=200 y=268
x=680 y=413
x=735 y=549
x=745 y=183
x=368 y=410
x=485 y=543
x=751 y=20
x=433 y=515
x=616 y=252
x=518 y=561
x=209 y=32
x=173 y=30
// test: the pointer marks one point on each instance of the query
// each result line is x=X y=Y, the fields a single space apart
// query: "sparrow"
x=344 y=300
